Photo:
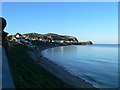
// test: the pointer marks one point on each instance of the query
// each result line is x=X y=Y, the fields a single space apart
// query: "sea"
x=96 y=64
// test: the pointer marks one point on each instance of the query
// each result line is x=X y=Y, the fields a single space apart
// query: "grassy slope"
x=27 y=73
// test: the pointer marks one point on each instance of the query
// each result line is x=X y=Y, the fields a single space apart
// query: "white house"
x=61 y=41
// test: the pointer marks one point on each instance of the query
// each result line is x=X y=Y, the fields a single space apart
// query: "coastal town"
x=19 y=37
x=49 y=38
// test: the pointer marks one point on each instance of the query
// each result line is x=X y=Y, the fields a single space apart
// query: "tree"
x=9 y=37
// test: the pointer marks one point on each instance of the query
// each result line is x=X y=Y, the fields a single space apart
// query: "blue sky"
x=95 y=21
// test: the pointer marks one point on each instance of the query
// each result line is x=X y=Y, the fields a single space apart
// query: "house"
x=26 y=37
x=62 y=41
x=18 y=37
x=40 y=38
x=13 y=38
x=33 y=39
x=46 y=39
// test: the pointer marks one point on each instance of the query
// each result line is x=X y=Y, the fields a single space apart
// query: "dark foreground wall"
x=5 y=72
x=7 y=81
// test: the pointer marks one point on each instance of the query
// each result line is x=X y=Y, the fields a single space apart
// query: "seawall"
x=7 y=81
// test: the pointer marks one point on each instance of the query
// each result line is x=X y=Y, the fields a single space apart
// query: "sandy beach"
x=58 y=71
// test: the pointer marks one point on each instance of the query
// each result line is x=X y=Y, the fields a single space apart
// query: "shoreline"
x=59 y=71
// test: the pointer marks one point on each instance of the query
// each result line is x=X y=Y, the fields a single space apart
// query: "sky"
x=95 y=21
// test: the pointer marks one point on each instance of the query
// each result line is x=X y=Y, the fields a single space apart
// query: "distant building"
x=26 y=37
x=33 y=38
x=62 y=41
x=40 y=39
x=18 y=37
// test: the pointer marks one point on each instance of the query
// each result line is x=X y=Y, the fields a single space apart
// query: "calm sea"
x=97 y=64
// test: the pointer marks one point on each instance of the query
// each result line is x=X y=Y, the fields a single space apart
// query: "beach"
x=85 y=62
x=58 y=71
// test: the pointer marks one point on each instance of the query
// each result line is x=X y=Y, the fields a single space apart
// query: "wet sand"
x=58 y=71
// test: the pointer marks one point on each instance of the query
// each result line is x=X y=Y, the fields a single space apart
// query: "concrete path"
x=7 y=81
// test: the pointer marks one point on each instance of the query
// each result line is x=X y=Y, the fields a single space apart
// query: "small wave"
x=88 y=77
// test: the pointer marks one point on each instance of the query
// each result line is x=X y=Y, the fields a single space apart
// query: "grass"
x=27 y=73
